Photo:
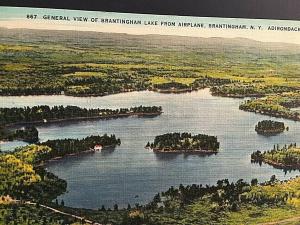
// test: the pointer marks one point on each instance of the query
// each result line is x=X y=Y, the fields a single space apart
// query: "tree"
x=272 y=179
x=116 y=207
x=254 y=182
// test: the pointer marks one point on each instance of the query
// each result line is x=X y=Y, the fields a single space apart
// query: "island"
x=287 y=157
x=184 y=143
x=269 y=127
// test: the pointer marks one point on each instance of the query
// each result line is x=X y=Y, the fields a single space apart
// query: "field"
x=87 y=63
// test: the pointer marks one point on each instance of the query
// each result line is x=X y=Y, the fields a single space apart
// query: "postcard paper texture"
x=131 y=119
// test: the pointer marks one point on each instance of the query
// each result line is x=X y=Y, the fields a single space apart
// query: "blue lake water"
x=130 y=173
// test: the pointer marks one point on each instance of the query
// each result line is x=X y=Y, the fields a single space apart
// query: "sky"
x=14 y=17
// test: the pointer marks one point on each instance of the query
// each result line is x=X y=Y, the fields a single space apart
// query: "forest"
x=23 y=177
x=224 y=203
x=46 y=113
x=276 y=105
x=267 y=127
x=184 y=142
x=22 y=180
x=63 y=147
x=246 y=89
x=28 y=134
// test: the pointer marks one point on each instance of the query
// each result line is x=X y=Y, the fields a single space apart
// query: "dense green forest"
x=62 y=147
x=22 y=180
x=225 y=203
x=206 y=81
x=245 y=89
x=22 y=176
x=184 y=142
x=21 y=214
x=267 y=127
x=287 y=157
x=46 y=113
x=172 y=87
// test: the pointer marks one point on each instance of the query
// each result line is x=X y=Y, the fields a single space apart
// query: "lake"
x=130 y=173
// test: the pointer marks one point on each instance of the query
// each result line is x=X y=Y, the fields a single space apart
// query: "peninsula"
x=287 y=157
x=276 y=105
x=47 y=114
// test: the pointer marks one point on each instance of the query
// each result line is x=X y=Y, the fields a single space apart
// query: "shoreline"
x=196 y=151
x=114 y=116
x=174 y=91
x=269 y=132
x=276 y=115
x=57 y=158
x=278 y=165
x=238 y=96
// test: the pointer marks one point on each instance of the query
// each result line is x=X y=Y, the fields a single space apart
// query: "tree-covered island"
x=269 y=127
x=287 y=157
x=184 y=143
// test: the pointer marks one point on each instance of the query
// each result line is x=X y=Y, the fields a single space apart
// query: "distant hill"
x=152 y=41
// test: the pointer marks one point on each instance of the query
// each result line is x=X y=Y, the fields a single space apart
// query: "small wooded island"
x=287 y=157
x=269 y=127
x=184 y=143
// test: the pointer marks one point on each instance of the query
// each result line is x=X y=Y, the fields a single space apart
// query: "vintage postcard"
x=136 y=119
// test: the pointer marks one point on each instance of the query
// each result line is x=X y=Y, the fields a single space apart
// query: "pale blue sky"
x=14 y=17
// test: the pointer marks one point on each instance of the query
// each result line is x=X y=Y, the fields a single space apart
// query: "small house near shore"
x=97 y=147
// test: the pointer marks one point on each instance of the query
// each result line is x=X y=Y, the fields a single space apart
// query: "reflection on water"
x=110 y=177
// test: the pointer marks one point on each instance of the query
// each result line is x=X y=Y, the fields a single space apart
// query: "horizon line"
x=152 y=34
